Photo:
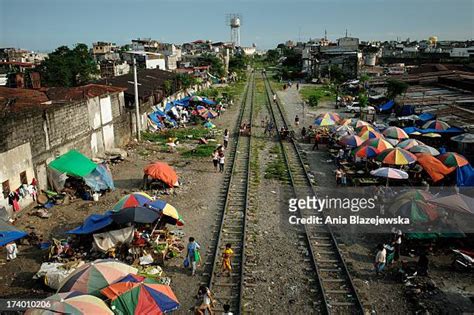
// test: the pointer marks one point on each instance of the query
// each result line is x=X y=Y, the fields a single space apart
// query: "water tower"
x=234 y=21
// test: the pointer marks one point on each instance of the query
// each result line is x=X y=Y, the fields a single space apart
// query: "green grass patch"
x=202 y=150
x=276 y=169
x=315 y=94
x=180 y=133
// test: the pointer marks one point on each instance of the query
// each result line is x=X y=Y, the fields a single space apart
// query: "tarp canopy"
x=73 y=163
x=208 y=101
x=100 y=178
x=426 y=117
x=107 y=240
x=465 y=176
x=410 y=130
x=93 y=223
x=434 y=167
x=387 y=106
x=9 y=233
x=162 y=171
x=456 y=202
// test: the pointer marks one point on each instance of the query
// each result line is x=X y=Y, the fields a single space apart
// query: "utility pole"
x=137 y=105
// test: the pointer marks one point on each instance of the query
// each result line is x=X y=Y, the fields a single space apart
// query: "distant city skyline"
x=43 y=25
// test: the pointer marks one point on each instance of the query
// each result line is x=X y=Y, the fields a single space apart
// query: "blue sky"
x=47 y=24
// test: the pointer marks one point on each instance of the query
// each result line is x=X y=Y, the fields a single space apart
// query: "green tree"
x=217 y=66
x=68 y=67
x=238 y=63
x=313 y=100
x=168 y=87
x=336 y=74
x=395 y=88
x=363 y=99
x=272 y=56
x=185 y=80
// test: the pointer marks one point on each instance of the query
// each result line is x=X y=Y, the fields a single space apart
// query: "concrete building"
x=348 y=43
x=38 y=126
x=101 y=48
x=111 y=68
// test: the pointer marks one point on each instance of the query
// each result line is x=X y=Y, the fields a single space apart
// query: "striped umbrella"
x=453 y=159
x=138 y=199
x=365 y=151
x=378 y=143
x=361 y=123
x=408 y=143
x=76 y=304
x=393 y=142
x=351 y=141
x=141 y=298
x=365 y=128
x=369 y=135
x=332 y=116
x=94 y=276
x=436 y=124
x=389 y=172
x=167 y=210
x=431 y=135
x=395 y=133
x=346 y=122
x=424 y=149
x=396 y=156
x=324 y=121
x=464 y=138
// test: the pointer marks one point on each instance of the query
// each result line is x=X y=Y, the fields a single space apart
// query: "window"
x=6 y=189
x=23 y=178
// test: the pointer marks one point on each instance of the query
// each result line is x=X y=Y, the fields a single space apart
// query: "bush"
x=313 y=100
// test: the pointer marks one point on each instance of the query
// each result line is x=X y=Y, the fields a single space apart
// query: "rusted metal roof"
x=81 y=92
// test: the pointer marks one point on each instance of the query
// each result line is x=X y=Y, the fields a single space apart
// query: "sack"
x=186 y=263
x=197 y=256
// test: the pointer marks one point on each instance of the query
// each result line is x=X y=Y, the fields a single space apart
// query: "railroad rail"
x=338 y=293
x=233 y=222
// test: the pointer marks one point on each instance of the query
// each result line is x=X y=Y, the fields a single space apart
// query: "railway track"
x=338 y=293
x=232 y=227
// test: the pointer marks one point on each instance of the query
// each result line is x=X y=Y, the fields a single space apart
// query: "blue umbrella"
x=9 y=233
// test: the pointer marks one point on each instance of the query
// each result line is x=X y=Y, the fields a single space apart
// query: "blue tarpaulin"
x=9 y=233
x=92 y=223
x=407 y=110
x=387 y=106
x=410 y=130
x=100 y=179
x=208 y=101
x=465 y=176
x=424 y=117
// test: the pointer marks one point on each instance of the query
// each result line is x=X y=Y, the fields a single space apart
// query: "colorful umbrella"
x=396 y=156
x=346 y=122
x=456 y=202
x=365 y=151
x=378 y=143
x=453 y=159
x=436 y=124
x=424 y=149
x=168 y=210
x=75 y=304
x=389 y=172
x=133 y=200
x=393 y=142
x=135 y=215
x=464 y=138
x=94 y=276
x=136 y=278
x=365 y=128
x=324 y=121
x=369 y=135
x=434 y=167
x=431 y=135
x=395 y=133
x=409 y=143
x=351 y=141
x=361 y=123
x=195 y=98
x=162 y=171
x=415 y=133
x=332 y=116
x=141 y=298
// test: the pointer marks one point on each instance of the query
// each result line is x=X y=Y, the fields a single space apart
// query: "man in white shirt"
x=12 y=251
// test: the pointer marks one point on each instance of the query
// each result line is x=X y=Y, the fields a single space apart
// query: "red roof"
x=81 y=92
x=14 y=100
x=17 y=63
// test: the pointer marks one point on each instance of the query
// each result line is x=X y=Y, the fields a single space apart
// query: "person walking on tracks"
x=227 y=259
x=317 y=139
x=193 y=256
x=297 y=120
x=380 y=259
x=215 y=159
x=226 y=138
x=205 y=301
x=221 y=161
x=274 y=98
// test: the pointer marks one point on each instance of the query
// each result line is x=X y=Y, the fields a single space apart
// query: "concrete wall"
x=17 y=160
x=90 y=126
x=158 y=63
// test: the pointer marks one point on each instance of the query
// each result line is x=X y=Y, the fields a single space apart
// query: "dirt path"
x=196 y=200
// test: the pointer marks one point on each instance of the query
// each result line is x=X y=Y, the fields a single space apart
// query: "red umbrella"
x=163 y=172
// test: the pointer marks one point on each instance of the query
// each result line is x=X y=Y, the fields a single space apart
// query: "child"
x=226 y=138
x=215 y=159
x=193 y=247
x=227 y=259
x=221 y=162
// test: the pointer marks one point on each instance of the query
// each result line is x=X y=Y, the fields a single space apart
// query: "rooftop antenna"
x=325 y=35
x=234 y=20
x=346 y=32
x=299 y=34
